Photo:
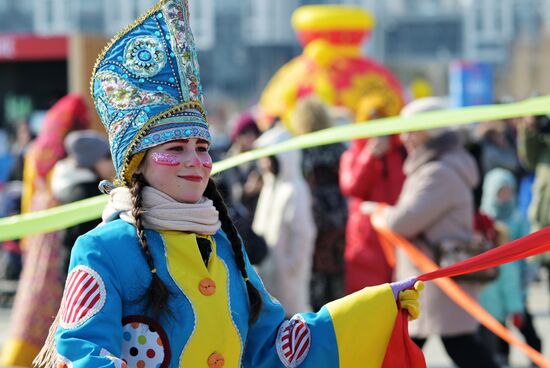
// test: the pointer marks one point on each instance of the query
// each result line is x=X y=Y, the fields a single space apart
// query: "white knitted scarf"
x=162 y=212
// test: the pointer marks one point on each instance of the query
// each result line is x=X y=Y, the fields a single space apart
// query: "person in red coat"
x=370 y=170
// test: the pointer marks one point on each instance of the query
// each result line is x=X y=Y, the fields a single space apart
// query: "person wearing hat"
x=436 y=205
x=77 y=176
x=240 y=186
x=164 y=281
x=244 y=182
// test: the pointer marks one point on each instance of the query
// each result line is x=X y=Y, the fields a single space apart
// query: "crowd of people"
x=278 y=261
x=304 y=216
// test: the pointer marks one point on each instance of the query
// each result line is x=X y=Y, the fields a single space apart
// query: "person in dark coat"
x=77 y=177
x=255 y=245
x=320 y=167
x=240 y=187
x=243 y=182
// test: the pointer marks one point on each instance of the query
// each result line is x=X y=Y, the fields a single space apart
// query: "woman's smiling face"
x=180 y=169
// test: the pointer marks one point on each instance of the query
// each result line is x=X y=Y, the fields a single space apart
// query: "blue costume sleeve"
x=90 y=330
x=351 y=332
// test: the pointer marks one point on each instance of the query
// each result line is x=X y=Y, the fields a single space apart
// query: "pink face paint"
x=165 y=159
x=207 y=164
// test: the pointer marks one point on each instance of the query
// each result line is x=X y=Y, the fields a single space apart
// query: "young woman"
x=165 y=282
x=435 y=206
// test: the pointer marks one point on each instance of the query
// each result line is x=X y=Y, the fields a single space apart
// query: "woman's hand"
x=408 y=292
x=378 y=146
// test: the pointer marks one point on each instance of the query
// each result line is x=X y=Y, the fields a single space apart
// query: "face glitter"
x=165 y=159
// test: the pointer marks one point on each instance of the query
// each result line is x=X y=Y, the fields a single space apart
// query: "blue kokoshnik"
x=146 y=84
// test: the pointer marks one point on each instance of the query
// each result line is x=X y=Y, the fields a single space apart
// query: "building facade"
x=242 y=43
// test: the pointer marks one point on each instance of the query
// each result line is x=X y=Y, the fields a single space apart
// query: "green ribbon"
x=52 y=219
x=62 y=217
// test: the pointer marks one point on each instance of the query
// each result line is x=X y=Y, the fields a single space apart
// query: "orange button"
x=207 y=287
x=216 y=361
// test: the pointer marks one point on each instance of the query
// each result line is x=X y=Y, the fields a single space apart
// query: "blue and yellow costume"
x=147 y=92
x=209 y=306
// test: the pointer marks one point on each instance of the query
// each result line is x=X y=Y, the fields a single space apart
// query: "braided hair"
x=254 y=297
x=157 y=294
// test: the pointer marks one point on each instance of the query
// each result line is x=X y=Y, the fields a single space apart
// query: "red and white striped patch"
x=293 y=341
x=84 y=296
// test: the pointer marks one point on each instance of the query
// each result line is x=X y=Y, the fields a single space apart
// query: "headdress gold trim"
x=168 y=113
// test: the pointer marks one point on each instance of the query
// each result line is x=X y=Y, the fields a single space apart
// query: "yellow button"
x=216 y=361
x=207 y=287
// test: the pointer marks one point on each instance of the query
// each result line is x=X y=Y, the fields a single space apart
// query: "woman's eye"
x=202 y=149
x=176 y=148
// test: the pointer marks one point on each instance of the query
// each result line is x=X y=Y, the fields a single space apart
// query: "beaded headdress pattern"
x=146 y=85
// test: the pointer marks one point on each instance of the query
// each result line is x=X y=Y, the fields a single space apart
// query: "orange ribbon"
x=534 y=244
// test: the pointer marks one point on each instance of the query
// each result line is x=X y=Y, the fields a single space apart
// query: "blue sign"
x=471 y=84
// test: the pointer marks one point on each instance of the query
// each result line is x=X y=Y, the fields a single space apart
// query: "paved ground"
x=539 y=302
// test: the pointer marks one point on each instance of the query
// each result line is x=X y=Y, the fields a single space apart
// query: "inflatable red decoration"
x=331 y=66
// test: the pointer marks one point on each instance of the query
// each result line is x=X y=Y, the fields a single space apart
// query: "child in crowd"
x=506 y=297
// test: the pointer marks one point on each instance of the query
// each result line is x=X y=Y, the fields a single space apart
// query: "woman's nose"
x=193 y=160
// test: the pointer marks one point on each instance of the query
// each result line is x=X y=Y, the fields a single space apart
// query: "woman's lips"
x=192 y=178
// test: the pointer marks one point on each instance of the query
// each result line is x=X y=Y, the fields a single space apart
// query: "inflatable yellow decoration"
x=330 y=17
x=331 y=66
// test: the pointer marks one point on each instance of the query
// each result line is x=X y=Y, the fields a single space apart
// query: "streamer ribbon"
x=69 y=215
x=402 y=352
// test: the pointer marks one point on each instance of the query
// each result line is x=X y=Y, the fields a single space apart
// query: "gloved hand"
x=408 y=292
x=398 y=286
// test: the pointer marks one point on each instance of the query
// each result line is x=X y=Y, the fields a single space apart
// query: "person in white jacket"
x=284 y=218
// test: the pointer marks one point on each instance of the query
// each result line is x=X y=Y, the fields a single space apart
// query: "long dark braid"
x=157 y=294
x=228 y=227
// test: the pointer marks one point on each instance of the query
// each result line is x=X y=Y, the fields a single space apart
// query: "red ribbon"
x=402 y=351
x=527 y=246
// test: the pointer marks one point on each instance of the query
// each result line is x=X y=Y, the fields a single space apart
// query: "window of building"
x=267 y=22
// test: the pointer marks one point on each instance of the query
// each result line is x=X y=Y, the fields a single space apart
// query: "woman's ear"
x=141 y=168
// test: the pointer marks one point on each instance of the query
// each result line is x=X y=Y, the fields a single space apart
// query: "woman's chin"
x=189 y=199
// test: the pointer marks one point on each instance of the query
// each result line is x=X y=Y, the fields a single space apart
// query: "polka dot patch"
x=143 y=345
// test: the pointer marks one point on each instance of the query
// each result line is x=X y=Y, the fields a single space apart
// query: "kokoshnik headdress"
x=146 y=86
